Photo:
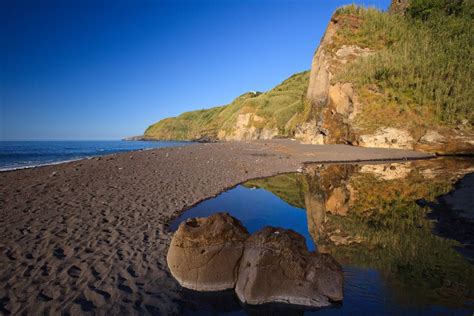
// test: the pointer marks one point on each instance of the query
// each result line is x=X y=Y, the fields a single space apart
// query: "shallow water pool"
x=389 y=225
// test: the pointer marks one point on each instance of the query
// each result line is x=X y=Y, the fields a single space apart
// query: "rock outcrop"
x=247 y=127
x=133 y=138
x=205 y=252
x=277 y=267
x=332 y=105
x=272 y=265
x=337 y=110
x=252 y=115
x=388 y=137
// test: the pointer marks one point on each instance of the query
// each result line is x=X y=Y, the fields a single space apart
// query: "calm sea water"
x=398 y=266
x=23 y=154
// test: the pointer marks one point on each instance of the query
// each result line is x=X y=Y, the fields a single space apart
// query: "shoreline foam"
x=99 y=153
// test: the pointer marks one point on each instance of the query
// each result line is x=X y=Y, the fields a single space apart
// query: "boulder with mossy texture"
x=277 y=267
x=204 y=254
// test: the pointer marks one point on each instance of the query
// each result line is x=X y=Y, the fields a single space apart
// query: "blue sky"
x=93 y=69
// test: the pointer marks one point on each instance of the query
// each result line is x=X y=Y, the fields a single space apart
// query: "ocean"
x=26 y=154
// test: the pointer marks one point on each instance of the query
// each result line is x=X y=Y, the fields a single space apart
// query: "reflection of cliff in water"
x=368 y=216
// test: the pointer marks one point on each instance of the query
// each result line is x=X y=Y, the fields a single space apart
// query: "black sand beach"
x=91 y=235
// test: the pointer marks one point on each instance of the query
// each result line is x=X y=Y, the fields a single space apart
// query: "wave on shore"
x=15 y=155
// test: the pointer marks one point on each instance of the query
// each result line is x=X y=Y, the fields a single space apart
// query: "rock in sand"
x=277 y=267
x=204 y=254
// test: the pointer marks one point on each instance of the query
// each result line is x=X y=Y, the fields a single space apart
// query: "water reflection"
x=371 y=221
x=378 y=221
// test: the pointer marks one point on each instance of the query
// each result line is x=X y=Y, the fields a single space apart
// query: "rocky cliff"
x=377 y=79
x=253 y=115
x=362 y=93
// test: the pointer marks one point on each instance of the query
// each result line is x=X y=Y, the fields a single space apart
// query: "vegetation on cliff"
x=395 y=235
x=278 y=109
x=422 y=60
x=378 y=79
x=286 y=186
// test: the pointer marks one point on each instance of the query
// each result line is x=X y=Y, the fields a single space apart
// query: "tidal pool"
x=403 y=233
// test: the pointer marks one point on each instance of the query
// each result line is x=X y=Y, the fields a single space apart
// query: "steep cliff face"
x=361 y=92
x=378 y=79
x=333 y=105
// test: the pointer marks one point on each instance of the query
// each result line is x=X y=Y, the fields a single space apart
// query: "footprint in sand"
x=105 y=294
x=132 y=272
x=28 y=270
x=59 y=253
x=44 y=297
x=125 y=288
x=10 y=255
x=74 y=272
x=95 y=273
x=86 y=305
x=3 y=302
x=45 y=270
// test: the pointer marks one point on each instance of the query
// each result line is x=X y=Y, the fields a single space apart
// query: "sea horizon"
x=23 y=154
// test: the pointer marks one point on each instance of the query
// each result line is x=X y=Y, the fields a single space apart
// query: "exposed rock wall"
x=246 y=128
x=336 y=106
x=333 y=105
x=320 y=75
x=319 y=108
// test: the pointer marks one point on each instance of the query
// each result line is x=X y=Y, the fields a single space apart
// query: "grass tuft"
x=423 y=58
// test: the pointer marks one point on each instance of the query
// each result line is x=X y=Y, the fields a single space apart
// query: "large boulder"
x=204 y=254
x=277 y=267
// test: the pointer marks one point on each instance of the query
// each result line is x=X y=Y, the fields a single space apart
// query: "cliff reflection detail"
x=377 y=221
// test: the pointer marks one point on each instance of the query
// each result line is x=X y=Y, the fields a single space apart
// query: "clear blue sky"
x=91 y=69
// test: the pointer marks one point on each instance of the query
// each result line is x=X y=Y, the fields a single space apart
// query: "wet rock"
x=277 y=267
x=204 y=253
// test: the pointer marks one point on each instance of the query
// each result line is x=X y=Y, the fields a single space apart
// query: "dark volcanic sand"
x=92 y=235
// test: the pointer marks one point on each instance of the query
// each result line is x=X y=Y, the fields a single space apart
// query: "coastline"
x=38 y=164
x=92 y=235
x=41 y=165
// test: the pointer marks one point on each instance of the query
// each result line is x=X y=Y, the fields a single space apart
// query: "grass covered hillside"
x=421 y=71
x=251 y=115
x=399 y=79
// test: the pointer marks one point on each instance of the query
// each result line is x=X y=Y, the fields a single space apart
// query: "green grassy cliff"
x=400 y=79
x=422 y=60
x=395 y=79
x=251 y=115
